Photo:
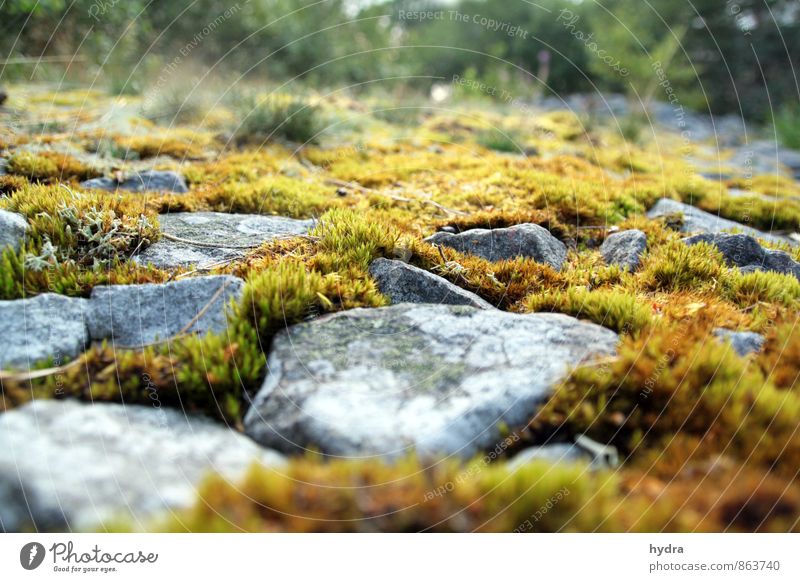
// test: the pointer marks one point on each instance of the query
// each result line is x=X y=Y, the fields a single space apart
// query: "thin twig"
x=206 y=268
x=205 y=308
x=184 y=329
x=236 y=247
x=600 y=361
x=207 y=245
x=22 y=376
x=398 y=198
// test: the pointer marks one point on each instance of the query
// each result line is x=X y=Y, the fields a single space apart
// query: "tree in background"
x=723 y=55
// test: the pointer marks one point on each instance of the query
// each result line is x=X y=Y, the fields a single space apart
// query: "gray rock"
x=89 y=463
x=743 y=342
x=16 y=509
x=147 y=181
x=624 y=249
x=404 y=283
x=438 y=379
x=584 y=450
x=716 y=176
x=554 y=453
x=133 y=315
x=45 y=326
x=699 y=221
x=744 y=252
x=215 y=228
x=521 y=240
x=13 y=227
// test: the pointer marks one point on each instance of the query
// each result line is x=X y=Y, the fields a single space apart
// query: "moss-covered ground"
x=709 y=440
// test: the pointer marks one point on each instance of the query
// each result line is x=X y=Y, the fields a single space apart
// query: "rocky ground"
x=474 y=320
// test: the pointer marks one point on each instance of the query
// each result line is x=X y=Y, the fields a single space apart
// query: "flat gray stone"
x=521 y=240
x=88 y=463
x=699 y=221
x=13 y=227
x=134 y=315
x=744 y=252
x=16 y=510
x=147 y=181
x=624 y=249
x=45 y=326
x=215 y=228
x=437 y=379
x=404 y=283
x=743 y=342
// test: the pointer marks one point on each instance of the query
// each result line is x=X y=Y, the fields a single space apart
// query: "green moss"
x=32 y=166
x=610 y=308
x=350 y=239
x=750 y=289
x=679 y=380
x=500 y=141
x=262 y=120
x=48 y=166
x=678 y=402
x=10 y=183
x=755 y=211
x=283 y=295
x=308 y=495
x=279 y=195
x=677 y=266
x=179 y=146
x=76 y=241
x=372 y=496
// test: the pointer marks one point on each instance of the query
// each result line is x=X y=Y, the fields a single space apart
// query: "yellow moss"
x=279 y=195
x=613 y=309
x=680 y=379
x=182 y=147
x=48 y=165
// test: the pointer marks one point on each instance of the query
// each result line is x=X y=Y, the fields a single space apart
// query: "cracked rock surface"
x=521 y=240
x=218 y=234
x=404 y=283
x=437 y=379
x=134 y=315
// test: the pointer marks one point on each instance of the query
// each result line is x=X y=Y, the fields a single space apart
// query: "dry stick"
x=202 y=312
x=600 y=361
x=208 y=245
x=206 y=268
x=57 y=370
x=236 y=247
x=21 y=376
x=360 y=188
